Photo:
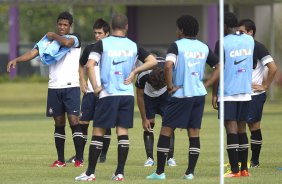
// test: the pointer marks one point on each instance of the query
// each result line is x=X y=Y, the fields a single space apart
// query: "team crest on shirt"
x=51 y=111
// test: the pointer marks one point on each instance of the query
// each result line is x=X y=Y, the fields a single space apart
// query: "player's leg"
x=254 y=119
x=95 y=148
x=256 y=143
x=148 y=137
x=60 y=137
x=106 y=144
x=71 y=101
x=194 y=124
x=125 y=110
x=243 y=146
x=170 y=157
x=56 y=110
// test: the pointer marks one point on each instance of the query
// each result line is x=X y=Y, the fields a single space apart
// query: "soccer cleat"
x=78 y=163
x=171 y=162
x=231 y=174
x=84 y=177
x=156 y=176
x=118 y=177
x=58 y=163
x=149 y=162
x=102 y=158
x=71 y=159
x=254 y=165
x=245 y=173
x=188 y=176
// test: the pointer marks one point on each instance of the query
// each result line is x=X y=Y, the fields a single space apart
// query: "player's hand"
x=50 y=36
x=173 y=89
x=12 y=64
x=258 y=88
x=98 y=90
x=214 y=102
x=146 y=125
x=83 y=86
x=130 y=78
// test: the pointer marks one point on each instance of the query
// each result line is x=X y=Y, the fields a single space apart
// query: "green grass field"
x=27 y=145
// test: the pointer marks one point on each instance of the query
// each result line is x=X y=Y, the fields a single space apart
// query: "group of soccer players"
x=172 y=87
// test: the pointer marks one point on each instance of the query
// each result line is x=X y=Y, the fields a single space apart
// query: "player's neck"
x=121 y=33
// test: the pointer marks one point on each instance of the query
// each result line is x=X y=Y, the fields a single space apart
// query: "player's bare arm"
x=149 y=62
x=214 y=76
x=141 y=105
x=168 y=77
x=67 y=42
x=272 y=69
x=23 y=58
x=82 y=81
x=91 y=64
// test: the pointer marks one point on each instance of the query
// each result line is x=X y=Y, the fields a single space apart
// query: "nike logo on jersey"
x=193 y=64
x=118 y=62
x=237 y=62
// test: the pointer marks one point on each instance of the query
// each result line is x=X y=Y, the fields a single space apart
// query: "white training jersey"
x=64 y=73
x=263 y=57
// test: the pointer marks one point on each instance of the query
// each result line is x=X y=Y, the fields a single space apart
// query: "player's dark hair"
x=119 y=21
x=67 y=16
x=230 y=20
x=102 y=24
x=249 y=25
x=157 y=78
x=188 y=25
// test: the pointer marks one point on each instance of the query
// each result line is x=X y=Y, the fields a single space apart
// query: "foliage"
x=37 y=20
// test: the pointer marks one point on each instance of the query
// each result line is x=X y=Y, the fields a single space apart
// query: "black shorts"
x=235 y=110
x=114 y=111
x=61 y=101
x=155 y=105
x=184 y=112
x=88 y=107
x=256 y=108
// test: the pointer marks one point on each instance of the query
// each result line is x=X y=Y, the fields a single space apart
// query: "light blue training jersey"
x=51 y=51
x=238 y=66
x=189 y=68
x=117 y=62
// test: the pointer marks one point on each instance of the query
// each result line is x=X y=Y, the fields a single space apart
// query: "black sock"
x=106 y=141
x=162 y=152
x=95 y=148
x=123 y=148
x=256 y=142
x=194 y=152
x=171 y=147
x=78 y=141
x=60 y=137
x=243 y=150
x=84 y=129
x=148 y=137
x=232 y=150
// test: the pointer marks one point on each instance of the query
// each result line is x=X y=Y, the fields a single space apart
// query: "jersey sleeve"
x=141 y=80
x=142 y=53
x=85 y=54
x=262 y=53
x=172 y=52
x=96 y=51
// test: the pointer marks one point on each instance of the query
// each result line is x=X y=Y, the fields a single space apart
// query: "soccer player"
x=262 y=77
x=184 y=73
x=101 y=30
x=152 y=98
x=116 y=56
x=238 y=66
x=63 y=88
